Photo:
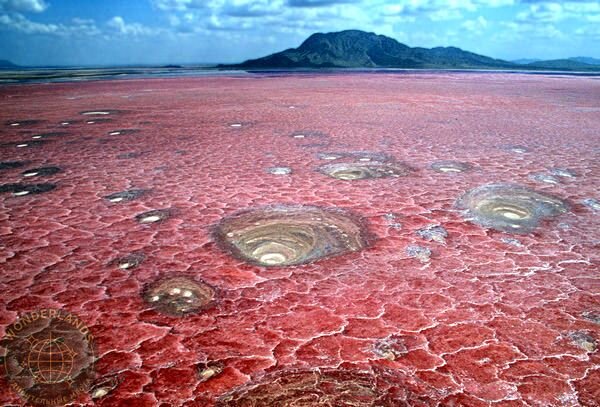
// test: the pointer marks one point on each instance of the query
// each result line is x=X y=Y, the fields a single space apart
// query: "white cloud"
x=117 y=24
x=180 y=5
x=23 y=6
x=590 y=31
x=550 y=12
x=476 y=26
x=20 y=23
x=524 y=30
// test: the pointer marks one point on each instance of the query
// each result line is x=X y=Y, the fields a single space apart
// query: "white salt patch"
x=96 y=113
x=280 y=170
x=449 y=169
x=176 y=291
x=155 y=298
x=272 y=258
x=511 y=215
x=99 y=393
x=117 y=199
x=187 y=293
x=150 y=219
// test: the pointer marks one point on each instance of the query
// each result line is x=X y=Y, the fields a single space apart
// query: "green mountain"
x=359 y=49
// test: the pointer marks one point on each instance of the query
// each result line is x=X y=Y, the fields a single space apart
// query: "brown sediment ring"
x=289 y=235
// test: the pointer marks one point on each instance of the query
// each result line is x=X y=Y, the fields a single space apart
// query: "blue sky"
x=105 y=32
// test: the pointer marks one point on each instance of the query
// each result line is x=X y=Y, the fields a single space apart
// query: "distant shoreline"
x=49 y=75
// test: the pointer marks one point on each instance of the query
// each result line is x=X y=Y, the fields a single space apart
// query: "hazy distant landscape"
x=350 y=49
x=359 y=49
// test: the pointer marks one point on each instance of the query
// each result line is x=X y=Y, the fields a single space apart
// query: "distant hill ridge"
x=359 y=49
x=5 y=64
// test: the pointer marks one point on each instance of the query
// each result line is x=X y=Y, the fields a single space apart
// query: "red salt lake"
x=396 y=312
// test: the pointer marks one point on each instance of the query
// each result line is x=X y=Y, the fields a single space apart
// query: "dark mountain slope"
x=358 y=49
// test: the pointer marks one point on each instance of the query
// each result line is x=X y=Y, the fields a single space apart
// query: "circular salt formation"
x=23 y=189
x=290 y=235
x=22 y=123
x=517 y=149
x=125 y=196
x=509 y=208
x=129 y=261
x=49 y=135
x=363 y=170
x=450 y=166
x=122 y=132
x=177 y=296
x=325 y=387
x=300 y=134
x=545 y=178
x=364 y=156
x=100 y=120
x=41 y=172
x=9 y=165
x=279 y=170
x=153 y=216
x=100 y=113
x=23 y=144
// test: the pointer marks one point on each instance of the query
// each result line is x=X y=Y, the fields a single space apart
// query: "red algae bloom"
x=509 y=208
x=288 y=235
x=178 y=296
